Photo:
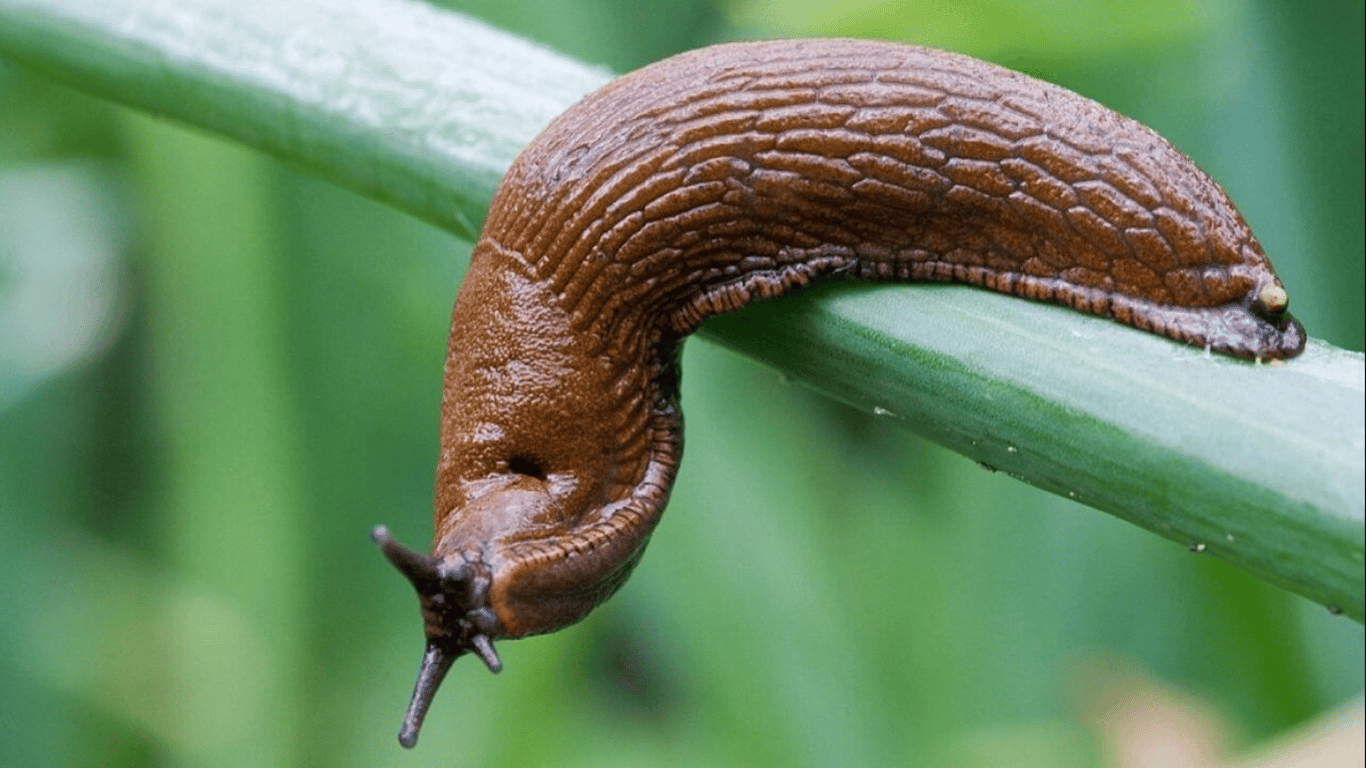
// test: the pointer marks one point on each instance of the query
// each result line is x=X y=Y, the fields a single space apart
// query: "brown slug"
x=739 y=172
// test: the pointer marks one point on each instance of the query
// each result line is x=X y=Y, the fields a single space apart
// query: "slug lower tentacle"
x=701 y=183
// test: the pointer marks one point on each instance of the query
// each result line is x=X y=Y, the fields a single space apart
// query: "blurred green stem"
x=424 y=109
x=233 y=472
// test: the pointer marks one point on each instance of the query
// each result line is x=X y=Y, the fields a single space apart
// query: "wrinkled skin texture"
x=740 y=172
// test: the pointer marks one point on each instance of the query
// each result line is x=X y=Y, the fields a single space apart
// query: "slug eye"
x=521 y=465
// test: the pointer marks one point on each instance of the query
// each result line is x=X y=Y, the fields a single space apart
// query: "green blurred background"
x=216 y=374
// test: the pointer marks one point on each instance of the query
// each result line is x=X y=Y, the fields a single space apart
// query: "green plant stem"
x=424 y=109
x=412 y=105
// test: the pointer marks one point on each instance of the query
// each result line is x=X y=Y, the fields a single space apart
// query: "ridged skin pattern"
x=738 y=172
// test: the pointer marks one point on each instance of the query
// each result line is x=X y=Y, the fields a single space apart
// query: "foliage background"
x=216 y=374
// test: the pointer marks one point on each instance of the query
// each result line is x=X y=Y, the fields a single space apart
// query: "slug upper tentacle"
x=739 y=172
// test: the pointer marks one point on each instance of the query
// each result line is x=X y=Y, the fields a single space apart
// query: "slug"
x=739 y=172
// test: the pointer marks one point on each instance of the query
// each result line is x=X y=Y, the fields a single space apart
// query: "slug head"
x=508 y=563
x=456 y=618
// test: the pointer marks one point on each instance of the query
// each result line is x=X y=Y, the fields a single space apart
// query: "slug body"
x=701 y=183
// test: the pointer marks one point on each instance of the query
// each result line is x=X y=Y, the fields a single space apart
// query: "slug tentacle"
x=740 y=172
x=436 y=662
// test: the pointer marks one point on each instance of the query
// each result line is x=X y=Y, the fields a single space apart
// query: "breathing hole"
x=524 y=466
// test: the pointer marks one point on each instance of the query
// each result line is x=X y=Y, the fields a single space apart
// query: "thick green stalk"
x=418 y=107
x=1261 y=465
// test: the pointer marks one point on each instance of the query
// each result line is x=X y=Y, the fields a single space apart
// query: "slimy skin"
x=739 y=172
